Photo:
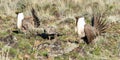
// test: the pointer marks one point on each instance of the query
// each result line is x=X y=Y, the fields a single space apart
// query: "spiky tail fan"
x=36 y=19
x=99 y=24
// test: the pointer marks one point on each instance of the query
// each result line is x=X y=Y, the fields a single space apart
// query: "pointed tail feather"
x=36 y=19
x=100 y=24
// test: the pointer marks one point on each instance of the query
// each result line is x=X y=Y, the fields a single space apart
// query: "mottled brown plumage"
x=27 y=24
x=90 y=32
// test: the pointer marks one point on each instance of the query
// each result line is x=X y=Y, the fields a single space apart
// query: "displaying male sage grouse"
x=90 y=32
x=27 y=23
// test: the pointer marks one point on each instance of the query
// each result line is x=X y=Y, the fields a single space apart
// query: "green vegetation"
x=59 y=13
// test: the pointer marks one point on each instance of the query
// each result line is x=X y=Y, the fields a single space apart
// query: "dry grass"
x=60 y=14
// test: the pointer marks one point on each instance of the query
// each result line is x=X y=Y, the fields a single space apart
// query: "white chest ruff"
x=19 y=20
x=80 y=27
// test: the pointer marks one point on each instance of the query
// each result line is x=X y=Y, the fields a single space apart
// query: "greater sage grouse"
x=90 y=32
x=27 y=23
